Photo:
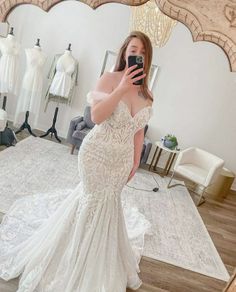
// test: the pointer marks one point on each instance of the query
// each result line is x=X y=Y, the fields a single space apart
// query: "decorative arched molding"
x=96 y=3
x=212 y=21
x=6 y=6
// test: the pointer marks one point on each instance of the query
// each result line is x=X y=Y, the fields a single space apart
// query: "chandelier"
x=150 y=20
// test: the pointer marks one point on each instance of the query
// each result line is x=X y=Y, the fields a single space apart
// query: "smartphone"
x=136 y=60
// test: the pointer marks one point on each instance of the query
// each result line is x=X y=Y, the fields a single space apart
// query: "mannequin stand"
x=26 y=125
x=52 y=130
x=7 y=136
x=4 y=103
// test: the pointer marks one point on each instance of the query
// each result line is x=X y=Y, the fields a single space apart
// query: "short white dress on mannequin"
x=32 y=87
x=61 y=83
x=63 y=76
x=10 y=50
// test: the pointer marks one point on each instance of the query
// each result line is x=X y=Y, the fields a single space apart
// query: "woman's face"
x=135 y=47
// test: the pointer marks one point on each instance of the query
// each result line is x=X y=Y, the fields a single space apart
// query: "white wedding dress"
x=32 y=87
x=88 y=239
x=9 y=63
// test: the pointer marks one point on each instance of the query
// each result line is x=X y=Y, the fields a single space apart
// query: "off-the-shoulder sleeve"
x=96 y=96
x=143 y=118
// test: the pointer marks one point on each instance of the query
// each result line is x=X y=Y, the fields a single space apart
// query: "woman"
x=82 y=244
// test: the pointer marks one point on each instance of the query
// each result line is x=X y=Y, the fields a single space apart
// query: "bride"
x=80 y=240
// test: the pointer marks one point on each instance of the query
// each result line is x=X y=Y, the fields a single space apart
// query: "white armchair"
x=198 y=166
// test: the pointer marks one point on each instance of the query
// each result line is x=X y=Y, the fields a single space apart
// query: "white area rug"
x=179 y=236
x=35 y=165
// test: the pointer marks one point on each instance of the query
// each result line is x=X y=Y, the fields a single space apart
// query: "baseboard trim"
x=44 y=128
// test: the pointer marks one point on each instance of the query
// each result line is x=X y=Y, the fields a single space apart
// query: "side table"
x=157 y=154
x=221 y=187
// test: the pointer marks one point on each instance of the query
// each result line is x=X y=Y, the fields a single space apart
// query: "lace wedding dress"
x=86 y=239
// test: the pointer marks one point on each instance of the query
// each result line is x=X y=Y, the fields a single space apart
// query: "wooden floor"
x=220 y=220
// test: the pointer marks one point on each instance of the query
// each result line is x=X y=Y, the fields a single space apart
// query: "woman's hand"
x=132 y=173
x=127 y=79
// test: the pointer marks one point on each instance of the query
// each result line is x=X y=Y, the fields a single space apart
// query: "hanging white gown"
x=80 y=241
x=10 y=50
x=61 y=83
x=31 y=89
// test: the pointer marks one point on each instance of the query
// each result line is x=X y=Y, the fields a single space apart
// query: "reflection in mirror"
x=192 y=93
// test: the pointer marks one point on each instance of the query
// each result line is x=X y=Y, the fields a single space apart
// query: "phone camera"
x=139 y=59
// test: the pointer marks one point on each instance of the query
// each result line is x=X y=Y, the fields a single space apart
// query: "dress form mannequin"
x=62 y=76
x=61 y=83
x=10 y=50
x=60 y=87
x=32 y=86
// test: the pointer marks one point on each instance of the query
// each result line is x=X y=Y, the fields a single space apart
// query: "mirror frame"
x=205 y=20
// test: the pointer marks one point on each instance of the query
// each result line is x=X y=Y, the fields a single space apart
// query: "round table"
x=157 y=154
x=220 y=189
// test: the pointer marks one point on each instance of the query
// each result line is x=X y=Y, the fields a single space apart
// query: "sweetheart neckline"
x=132 y=117
x=127 y=108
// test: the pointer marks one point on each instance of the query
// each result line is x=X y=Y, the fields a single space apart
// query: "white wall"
x=195 y=95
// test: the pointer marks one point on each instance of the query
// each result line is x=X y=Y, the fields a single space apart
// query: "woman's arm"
x=139 y=139
x=101 y=110
x=138 y=146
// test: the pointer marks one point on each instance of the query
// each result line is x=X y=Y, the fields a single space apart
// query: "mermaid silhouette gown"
x=80 y=240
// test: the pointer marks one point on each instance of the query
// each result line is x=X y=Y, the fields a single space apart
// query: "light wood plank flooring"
x=220 y=220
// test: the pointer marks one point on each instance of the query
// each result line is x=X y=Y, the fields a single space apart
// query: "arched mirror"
x=193 y=82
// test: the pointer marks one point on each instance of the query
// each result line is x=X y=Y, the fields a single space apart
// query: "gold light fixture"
x=150 y=20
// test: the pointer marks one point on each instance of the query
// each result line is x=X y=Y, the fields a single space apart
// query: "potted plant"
x=170 y=141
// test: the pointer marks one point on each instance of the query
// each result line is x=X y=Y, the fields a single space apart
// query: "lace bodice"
x=121 y=126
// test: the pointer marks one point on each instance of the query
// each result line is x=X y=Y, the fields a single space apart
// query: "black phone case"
x=132 y=60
